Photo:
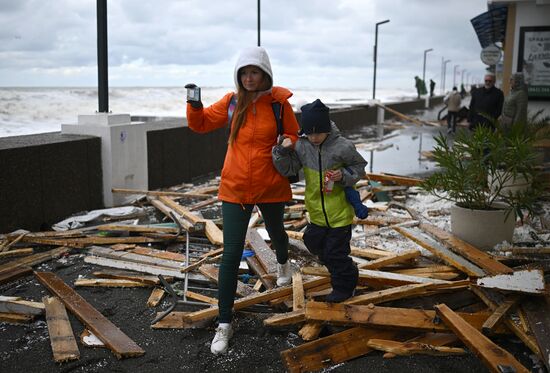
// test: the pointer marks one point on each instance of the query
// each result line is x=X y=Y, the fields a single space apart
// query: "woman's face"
x=252 y=78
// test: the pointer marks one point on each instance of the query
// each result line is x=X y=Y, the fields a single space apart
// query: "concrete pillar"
x=380 y=121
x=123 y=151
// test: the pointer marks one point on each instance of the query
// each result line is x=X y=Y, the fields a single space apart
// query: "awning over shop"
x=490 y=26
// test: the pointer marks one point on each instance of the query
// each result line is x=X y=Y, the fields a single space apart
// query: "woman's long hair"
x=244 y=98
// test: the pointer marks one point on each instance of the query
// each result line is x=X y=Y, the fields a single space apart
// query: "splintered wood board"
x=334 y=349
x=530 y=281
x=62 y=339
x=118 y=342
x=491 y=354
x=263 y=252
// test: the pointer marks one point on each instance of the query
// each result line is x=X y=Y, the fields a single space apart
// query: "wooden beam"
x=442 y=252
x=390 y=259
x=201 y=297
x=161 y=254
x=14 y=273
x=298 y=298
x=118 y=342
x=15 y=318
x=473 y=254
x=16 y=252
x=21 y=267
x=169 y=212
x=390 y=317
x=433 y=339
x=62 y=339
x=369 y=253
x=151 y=280
x=310 y=330
x=213 y=233
x=212 y=273
x=334 y=349
x=495 y=358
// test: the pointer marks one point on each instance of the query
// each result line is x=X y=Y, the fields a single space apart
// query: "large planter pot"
x=482 y=228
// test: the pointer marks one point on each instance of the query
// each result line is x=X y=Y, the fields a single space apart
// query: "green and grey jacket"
x=336 y=152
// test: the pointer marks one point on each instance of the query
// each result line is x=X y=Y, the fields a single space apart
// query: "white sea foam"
x=26 y=111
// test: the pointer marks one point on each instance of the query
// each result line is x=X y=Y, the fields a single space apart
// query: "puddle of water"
x=403 y=156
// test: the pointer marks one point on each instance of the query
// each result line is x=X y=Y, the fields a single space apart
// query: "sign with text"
x=534 y=60
x=490 y=55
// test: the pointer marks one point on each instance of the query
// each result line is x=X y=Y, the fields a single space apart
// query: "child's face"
x=317 y=138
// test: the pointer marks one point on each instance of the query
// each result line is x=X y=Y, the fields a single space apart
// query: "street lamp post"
x=454 y=75
x=462 y=76
x=424 y=65
x=259 y=23
x=445 y=73
x=375 y=53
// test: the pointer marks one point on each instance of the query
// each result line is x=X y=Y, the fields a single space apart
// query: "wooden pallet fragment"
x=495 y=358
x=118 y=342
x=62 y=339
x=473 y=254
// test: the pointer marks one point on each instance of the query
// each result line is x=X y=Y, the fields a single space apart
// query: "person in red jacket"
x=248 y=176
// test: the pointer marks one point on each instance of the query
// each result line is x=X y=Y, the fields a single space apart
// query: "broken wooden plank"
x=8 y=305
x=433 y=339
x=175 y=320
x=196 y=221
x=89 y=241
x=110 y=283
x=287 y=318
x=369 y=253
x=15 y=318
x=334 y=349
x=298 y=298
x=268 y=295
x=537 y=312
x=490 y=298
x=89 y=339
x=413 y=348
x=213 y=233
x=498 y=314
x=266 y=279
x=136 y=258
x=169 y=212
x=390 y=317
x=201 y=297
x=141 y=267
x=390 y=259
x=495 y=358
x=62 y=339
x=262 y=251
x=156 y=297
x=9 y=243
x=11 y=274
x=161 y=193
x=399 y=180
x=310 y=330
x=530 y=281
x=161 y=254
x=146 y=279
x=135 y=228
x=118 y=342
x=16 y=252
x=212 y=273
x=471 y=253
x=442 y=252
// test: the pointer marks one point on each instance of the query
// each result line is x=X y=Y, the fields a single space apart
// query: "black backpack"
x=277 y=112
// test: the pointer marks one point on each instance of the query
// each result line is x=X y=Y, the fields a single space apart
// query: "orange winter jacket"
x=248 y=174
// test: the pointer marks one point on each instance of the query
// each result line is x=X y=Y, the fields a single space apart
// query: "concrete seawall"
x=47 y=177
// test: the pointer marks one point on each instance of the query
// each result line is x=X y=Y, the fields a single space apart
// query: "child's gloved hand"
x=284 y=146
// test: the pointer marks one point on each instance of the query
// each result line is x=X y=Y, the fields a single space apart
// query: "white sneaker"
x=284 y=274
x=219 y=345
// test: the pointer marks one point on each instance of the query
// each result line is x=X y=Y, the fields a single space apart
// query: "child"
x=327 y=158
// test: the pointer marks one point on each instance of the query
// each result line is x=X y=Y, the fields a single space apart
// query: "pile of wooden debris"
x=436 y=296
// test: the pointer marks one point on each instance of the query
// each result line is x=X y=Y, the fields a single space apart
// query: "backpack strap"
x=231 y=109
x=278 y=112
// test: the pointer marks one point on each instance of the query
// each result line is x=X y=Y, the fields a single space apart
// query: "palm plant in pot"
x=484 y=212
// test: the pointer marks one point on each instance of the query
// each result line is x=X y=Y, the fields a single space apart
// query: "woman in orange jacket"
x=248 y=176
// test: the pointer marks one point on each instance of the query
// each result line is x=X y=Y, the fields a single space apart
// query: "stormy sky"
x=312 y=43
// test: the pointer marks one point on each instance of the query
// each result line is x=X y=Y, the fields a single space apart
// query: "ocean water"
x=25 y=111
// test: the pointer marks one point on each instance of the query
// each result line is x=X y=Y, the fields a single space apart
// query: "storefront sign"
x=534 y=60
